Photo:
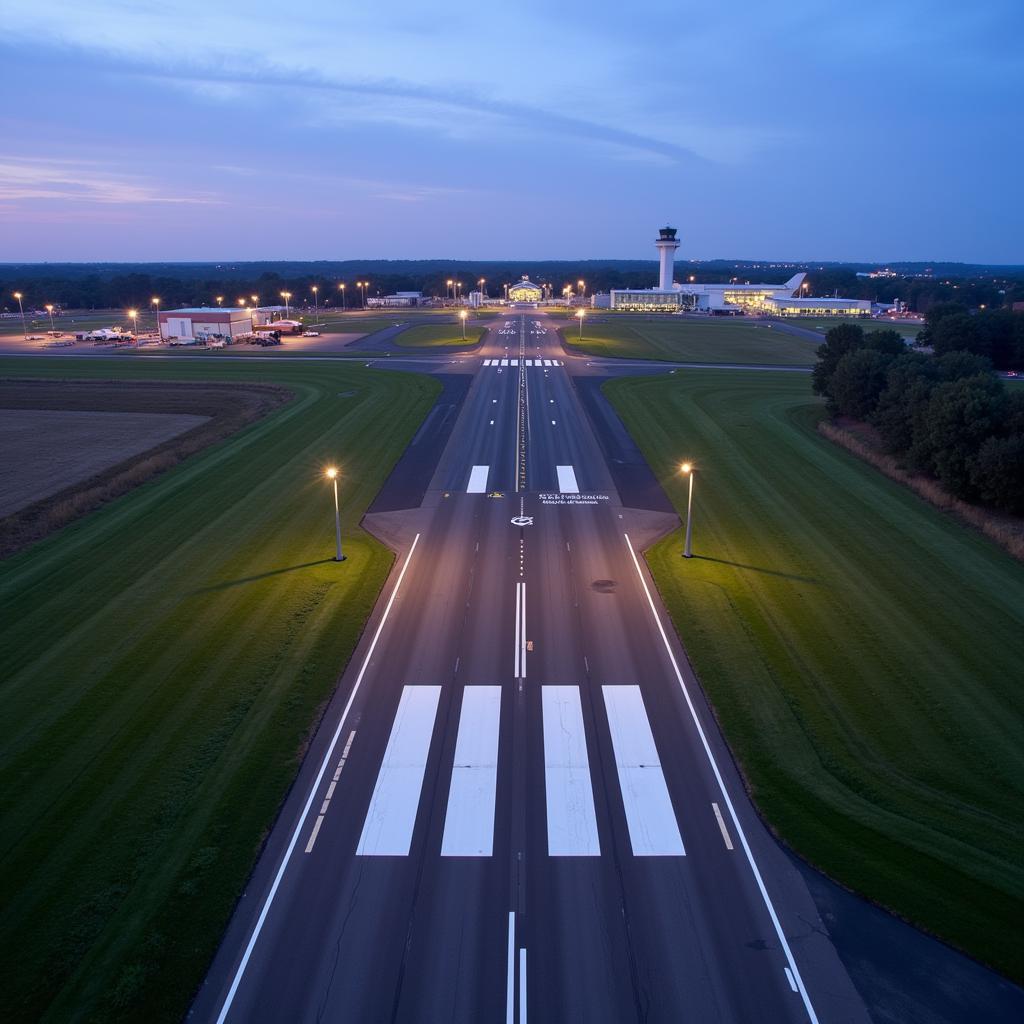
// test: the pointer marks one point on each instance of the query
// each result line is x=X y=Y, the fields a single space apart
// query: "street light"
x=332 y=474
x=53 y=330
x=448 y=289
x=580 y=314
x=482 y=282
x=155 y=303
x=583 y=289
x=341 y=288
x=688 y=469
x=363 y=285
x=24 y=329
x=220 y=300
x=316 y=305
x=287 y=309
x=134 y=314
x=462 y=317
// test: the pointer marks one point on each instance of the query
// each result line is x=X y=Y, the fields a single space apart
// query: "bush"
x=858 y=381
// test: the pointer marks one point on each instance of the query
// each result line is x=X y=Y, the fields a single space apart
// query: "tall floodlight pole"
x=287 y=309
x=24 y=329
x=155 y=303
x=316 y=305
x=690 y=471
x=462 y=317
x=49 y=309
x=341 y=288
x=579 y=316
x=332 y=475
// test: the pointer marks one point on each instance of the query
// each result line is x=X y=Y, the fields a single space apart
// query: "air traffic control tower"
x=667 y=246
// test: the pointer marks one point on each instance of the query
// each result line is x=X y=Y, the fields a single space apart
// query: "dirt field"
x=67 y=447
x=42 y=451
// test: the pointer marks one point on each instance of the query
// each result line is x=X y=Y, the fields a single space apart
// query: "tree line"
x=944 y=414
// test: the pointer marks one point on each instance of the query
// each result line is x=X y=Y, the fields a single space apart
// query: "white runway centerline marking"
x=478 y=480
x=469 y=821
x=653 y=831
x=330 y=792
x=567 y=479
x=387 y=831
x=572 y=823
x=721 y=825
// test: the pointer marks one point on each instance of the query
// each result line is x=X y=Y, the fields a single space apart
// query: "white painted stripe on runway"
x=478 y=480
x=755 y=871
x=265 y=910
x=572 y=823
x=513 y=362
x=487 y=362
x=790 y=979
x=510 y=981
x=721 y=825
x=529 y=362
x=387 y=831
x=653 y=831
x=469 y=820
x=504 y=362
x=522 y=986
x=567 y=479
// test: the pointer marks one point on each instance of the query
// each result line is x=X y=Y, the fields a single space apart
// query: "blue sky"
x=178 y=130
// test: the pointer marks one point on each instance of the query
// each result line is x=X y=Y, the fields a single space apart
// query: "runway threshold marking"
x=567 y=479
x=391 y=817
x=520 y=649
x=301 y=824
x=569 y=794
x=801 y=987
x=478 y=480
x=330 y=792
x=653 y=830
x=469 y=820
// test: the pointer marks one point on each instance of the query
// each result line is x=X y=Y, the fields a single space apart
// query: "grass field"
x=680 y=340
x=438 y=336
x=163 y=662
x=822 y=324
x=862 y=651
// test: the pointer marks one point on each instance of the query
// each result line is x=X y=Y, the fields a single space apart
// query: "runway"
x=518 y=806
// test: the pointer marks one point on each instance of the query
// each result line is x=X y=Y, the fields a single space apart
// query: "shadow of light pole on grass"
x=757 y=568
x=259 y=576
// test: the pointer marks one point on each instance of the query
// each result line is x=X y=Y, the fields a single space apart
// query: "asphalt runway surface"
x=518 y=806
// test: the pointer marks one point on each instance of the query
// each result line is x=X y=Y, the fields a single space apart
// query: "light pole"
x=220 y=300
x=462 y=317
x=580 y=313
x=287 y=309
x=506 y=291
x=341 y=288
x=155 y=303
x=483 y=294
x=134 y=314
x=583 y=289
x=689 y=470
x=24 y=329
x=332 y=474
x=458 y=288
x=363 y=285
x=316 y=305
x=449 y=291
x=49 y=309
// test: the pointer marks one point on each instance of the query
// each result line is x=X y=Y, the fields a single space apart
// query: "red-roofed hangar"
x=205 y=321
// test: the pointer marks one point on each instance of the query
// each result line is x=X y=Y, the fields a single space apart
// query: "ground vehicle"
x=174 y=342
x=217 y=343
x=311 y=334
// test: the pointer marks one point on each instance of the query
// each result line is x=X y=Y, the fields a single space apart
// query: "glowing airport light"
x=462 y=317
x=332 y=474
x=155 y=303
x=220 y=300
x=134 y=314
x=49 y=309
x=287 y=309
x=580 y=314
x=688 y=469
x=24 y=329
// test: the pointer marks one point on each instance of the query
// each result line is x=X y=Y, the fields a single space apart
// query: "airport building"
x=398 y=300
x=206 y=321
x=726 y=299
x=525 y=291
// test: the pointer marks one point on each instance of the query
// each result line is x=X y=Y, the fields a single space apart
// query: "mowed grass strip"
x=822 y=324
x=862 y=651
x=690 y=341
x=438 y=336
x=164 y=660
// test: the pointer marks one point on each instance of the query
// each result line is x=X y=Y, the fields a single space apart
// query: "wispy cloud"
x=24 y=179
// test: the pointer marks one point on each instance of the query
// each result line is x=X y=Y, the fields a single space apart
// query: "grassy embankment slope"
x=862 y=651
x=163 y=661
x=690 y=341
x=438 y=336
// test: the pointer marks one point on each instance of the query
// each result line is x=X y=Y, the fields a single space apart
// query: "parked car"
x=217 y=343
x=311 y=334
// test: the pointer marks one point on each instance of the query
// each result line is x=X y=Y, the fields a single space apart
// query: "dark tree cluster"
x=996 y=334
x=945 y=415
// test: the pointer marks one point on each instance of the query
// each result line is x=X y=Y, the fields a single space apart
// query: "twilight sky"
x=215 y=129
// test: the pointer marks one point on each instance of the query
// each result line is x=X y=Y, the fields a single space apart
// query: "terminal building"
x=723 y=299
x=525 y=290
